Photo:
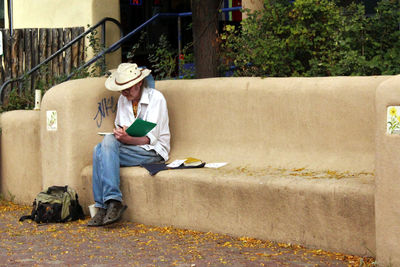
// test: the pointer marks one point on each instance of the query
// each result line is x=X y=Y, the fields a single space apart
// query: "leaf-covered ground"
x=132 y=244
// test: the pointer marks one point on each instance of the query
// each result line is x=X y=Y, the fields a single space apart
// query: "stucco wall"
x=21 y=175
x=318 y=123
x=387 y=192
x=71 y=13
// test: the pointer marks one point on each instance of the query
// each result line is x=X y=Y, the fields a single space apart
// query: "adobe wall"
x=387 y=188
x=316 y=123
x=21 y=172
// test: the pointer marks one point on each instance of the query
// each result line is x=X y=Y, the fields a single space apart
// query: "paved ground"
x=130 y=244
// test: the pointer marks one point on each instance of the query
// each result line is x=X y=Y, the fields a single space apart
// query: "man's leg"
x=109 y=168
x=129 y=155
x=107 y=159
x=106 y=180
x=97 y=183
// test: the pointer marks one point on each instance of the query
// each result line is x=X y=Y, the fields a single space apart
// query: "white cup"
x=92 y=210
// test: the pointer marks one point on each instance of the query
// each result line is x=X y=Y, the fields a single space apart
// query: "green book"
x=140 y=128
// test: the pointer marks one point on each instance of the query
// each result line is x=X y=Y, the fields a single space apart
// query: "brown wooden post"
x=2 y=59
x=42 y=51
x=60 y=45
x=49 y=67
x=7 y=63
x=81 y=58
x=35 y=58
x=14 y=56
x=21 y=56
x=75 y=49
x=67 y=59
x=54 y=48
x=28 y=54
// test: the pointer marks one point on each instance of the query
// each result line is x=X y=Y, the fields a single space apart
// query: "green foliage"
x=383 y=43
x=17 y=101
x=314 y=38
x=142 y=39
x=162 y=58
x=185 y=59
x=99 y=67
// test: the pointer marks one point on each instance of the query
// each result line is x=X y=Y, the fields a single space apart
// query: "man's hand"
x=122 y=136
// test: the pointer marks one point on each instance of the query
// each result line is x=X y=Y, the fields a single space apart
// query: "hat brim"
x=113 y=86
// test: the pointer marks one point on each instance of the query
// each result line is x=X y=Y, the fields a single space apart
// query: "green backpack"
x=57 y=204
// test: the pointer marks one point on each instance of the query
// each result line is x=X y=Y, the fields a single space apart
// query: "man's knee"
x=109 y=141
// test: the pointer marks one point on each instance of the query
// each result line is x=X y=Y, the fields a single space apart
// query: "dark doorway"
x=136 y=12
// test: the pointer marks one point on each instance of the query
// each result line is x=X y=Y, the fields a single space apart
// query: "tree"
x=205 y=34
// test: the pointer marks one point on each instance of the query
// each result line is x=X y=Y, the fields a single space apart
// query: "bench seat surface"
x=284 y=205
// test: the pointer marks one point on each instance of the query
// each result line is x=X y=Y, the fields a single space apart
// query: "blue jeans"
x=108 y=156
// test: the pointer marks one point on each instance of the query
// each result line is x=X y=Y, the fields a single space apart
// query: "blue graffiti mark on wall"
x=105 y=108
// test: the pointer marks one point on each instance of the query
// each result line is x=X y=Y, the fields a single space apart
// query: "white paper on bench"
x=215 y=165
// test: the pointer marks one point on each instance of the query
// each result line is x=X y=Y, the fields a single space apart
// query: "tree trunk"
x=205 y=33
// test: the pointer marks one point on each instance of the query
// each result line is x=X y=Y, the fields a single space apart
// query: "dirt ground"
x=131 y=244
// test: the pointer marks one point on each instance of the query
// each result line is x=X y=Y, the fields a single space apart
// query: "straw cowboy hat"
x=125 y=76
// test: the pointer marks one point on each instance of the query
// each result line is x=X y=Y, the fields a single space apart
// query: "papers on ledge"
x=178 y=162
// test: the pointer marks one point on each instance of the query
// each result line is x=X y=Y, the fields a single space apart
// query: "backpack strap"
x=25 y=217
x=33 y=214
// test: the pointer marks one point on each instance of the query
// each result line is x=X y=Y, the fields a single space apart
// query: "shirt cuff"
x=153 y=139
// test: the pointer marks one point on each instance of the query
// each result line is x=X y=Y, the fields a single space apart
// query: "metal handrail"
x=65 y=47
x=118 y=44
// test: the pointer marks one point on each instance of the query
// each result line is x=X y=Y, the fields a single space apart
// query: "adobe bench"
x=301 y=153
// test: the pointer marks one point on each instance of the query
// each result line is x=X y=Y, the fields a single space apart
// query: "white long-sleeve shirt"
x=152 y=107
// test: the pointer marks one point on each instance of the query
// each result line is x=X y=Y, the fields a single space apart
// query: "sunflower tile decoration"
x=393 y=120
x=51 y=120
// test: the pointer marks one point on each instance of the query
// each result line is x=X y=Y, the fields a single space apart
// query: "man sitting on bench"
x=137 y=101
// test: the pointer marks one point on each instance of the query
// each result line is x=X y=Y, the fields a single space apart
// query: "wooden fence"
x=28 y=47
